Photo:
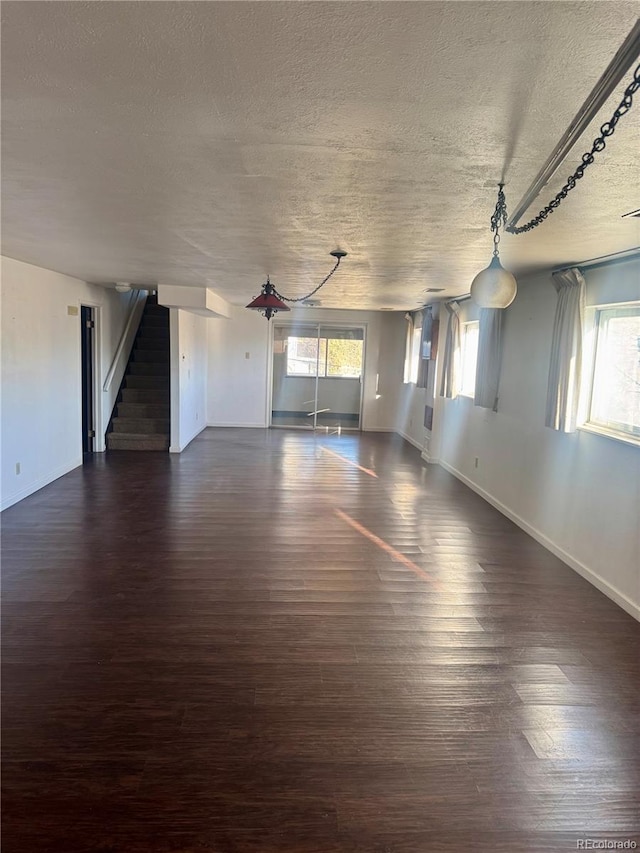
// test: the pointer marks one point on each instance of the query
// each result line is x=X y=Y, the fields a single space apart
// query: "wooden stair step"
x=148 y=368
x=141 y=426
x=152 y=355
x=149 y=396
x=153 y=342
x=157 y=320
x=132 y=441
x=158 y=383
x=143 y=410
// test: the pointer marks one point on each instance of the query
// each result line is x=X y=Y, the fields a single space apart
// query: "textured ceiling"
x=212 y=143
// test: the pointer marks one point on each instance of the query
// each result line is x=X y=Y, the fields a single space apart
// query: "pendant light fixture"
x=495 y=287
x=269 y=302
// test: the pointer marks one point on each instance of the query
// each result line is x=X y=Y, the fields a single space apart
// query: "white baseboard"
x=180 y=448
x=244 y=425
x=409 y=439
x=40 y=483
x=600 y=583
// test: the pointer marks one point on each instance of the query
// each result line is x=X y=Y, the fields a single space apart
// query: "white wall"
x=189 y=365
x=237 y=379
x=41 y=371
x=239 y=387
x=579 y=493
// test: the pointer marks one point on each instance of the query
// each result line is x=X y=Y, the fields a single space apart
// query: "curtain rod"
x=602 y=260
x=617 y=68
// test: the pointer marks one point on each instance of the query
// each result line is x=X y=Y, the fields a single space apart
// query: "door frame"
x=99 y=441
x=318 y=323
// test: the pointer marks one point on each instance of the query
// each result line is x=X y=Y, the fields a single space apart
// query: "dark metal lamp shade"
x=268 y=303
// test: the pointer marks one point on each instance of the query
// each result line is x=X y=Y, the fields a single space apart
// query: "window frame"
x=592 y=330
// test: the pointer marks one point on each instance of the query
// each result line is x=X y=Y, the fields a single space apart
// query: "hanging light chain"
x=499 y=219
x=315 y=290
x=599 y=144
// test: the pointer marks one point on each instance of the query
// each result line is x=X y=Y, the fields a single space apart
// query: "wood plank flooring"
x=202 y=654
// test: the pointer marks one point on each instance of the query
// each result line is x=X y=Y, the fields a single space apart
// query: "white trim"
x=135 y=308
x=236 y=424
x=600 y=583
x=268 y=403
x=178 y=449
x=174 y=381
x=622 y=437
x=40 y=484
x=409 y=439
x=604 y=306
x=591 y=329
x=426 y=444
x=99 y=439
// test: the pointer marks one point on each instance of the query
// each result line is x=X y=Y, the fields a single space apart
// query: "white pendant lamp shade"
x=494 y=287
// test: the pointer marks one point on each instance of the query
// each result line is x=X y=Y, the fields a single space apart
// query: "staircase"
x=141 y=417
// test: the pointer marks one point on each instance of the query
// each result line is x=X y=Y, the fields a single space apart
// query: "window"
x=469 y=357
x=614 y=403
x=302 y=356
x=336 y=357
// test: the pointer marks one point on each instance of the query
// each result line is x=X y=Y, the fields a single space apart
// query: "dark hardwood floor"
x=257 y=646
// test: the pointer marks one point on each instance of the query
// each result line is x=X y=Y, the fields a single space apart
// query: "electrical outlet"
x=17 y=467
x=476 y=462
x=247 y=355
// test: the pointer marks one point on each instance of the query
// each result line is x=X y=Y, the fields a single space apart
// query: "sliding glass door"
x=317 y=376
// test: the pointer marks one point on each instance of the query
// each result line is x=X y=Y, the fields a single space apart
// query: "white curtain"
x=489 y=358
x=565 y=366
x=451 y=362
x=407 y=348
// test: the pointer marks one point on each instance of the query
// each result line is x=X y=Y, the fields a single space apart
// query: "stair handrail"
x=134 y=302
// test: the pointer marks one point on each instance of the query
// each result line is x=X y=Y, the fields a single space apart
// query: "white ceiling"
x=211 y=143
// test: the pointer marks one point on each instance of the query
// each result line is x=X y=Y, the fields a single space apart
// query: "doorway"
x=317 y=376
x=87 y=348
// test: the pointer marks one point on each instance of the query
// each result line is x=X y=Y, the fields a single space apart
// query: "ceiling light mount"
x=270 y=301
